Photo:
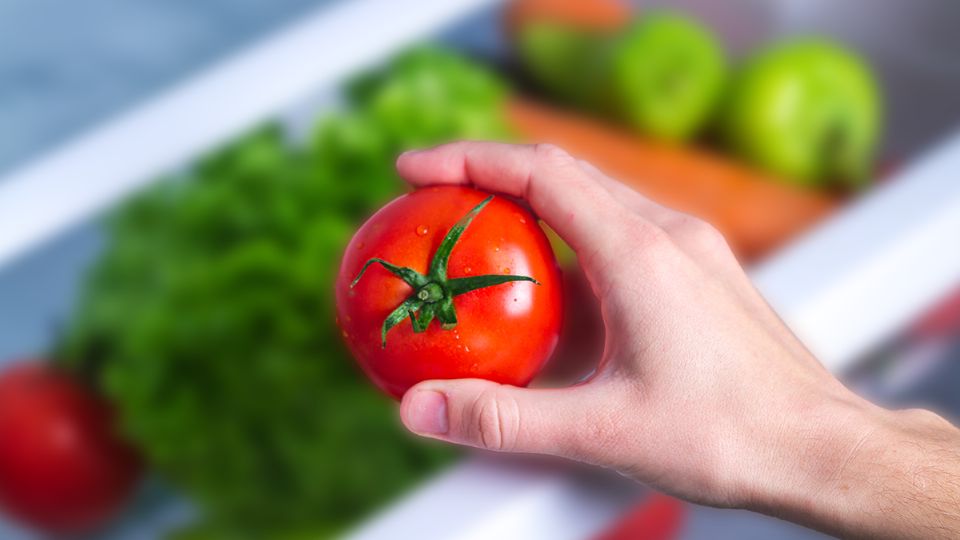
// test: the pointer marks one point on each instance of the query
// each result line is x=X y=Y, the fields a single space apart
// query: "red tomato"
x=503 y=332
x=659 y=517
x=62 y=468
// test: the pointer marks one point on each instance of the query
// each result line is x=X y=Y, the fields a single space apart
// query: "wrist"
x=814 y=465
x=850 y=468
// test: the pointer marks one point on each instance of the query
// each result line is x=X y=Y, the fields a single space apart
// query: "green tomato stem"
x=433 y=294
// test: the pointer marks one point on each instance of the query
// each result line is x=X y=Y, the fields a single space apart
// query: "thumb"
x=500 y=417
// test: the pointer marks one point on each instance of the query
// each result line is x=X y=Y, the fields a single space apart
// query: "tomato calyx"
x=434 y=292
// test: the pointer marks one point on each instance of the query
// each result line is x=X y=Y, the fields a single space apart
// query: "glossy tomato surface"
x=62 y=467
x=504 y=333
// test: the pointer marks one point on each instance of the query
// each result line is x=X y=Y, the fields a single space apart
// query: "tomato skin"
x=505 y=333
x=62 y=468
x=658 y=517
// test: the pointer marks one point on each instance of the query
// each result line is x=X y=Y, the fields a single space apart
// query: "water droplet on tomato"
x=466 y=349
x=522 y=219
x=467 y=270
x=496 y=248
x=456 y=335
x=422 y=230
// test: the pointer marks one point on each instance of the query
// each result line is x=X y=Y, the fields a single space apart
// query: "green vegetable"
x=807 y=110
x=569 y=63
x=668 y=73
x=663 y=75
x=209 y=318
x=430 y=96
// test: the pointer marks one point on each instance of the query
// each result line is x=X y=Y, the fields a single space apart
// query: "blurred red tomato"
x=62 y=467
x=659 y=517
x=941 y=320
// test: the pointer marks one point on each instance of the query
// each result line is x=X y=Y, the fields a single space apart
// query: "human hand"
x=702 y=391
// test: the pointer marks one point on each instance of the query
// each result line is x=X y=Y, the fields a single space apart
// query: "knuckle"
x=631 y=243
x=711 y=236
x=457 y=147
x=462 y=145
x=552 y=154
x=496 y=420
x=925 y=417
x=645 y=235
x=701 y=233
x=655 y=251
x=685 y=225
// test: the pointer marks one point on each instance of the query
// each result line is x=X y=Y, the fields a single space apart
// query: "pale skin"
x=702 y=391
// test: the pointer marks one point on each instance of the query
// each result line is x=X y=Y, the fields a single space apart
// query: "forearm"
x=865 y=472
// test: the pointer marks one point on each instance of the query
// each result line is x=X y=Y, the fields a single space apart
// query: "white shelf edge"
x=490 y=496
x=865 y=274
x=74 y=182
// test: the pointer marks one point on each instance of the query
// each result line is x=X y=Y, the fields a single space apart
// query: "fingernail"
x=427 y=413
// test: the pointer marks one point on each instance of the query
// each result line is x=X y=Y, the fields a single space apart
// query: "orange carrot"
x=755 y=211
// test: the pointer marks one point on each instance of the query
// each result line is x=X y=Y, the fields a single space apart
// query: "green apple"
x=568 y=62
x=661 y=75
x=667 y=73
x=808 y=110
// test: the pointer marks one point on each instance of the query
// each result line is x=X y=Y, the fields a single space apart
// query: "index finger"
x=579 y=209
